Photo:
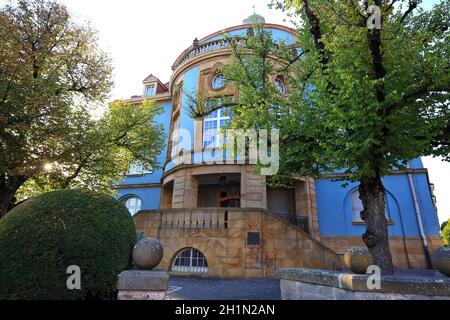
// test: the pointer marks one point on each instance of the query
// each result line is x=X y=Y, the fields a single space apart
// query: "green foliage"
x=51 y=70
x=104 y=150
x=45 y=235
x=446 y=233
x=54 y=79
x=349 y=106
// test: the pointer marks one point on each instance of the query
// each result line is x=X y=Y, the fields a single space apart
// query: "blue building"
x=218 y=218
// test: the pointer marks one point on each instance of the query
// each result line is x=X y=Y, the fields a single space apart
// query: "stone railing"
x=201 y=218
x=199 y=49
x=215 y=218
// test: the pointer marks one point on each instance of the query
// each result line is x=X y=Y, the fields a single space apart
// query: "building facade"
x=222 y=219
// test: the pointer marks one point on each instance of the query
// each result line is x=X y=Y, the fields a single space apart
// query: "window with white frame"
x=213 y=135
x=133 y=204
x=279 y=85
x=357 y=207
x=190 y=260
x=137 y=168
x=150 y=90
x=175 y=137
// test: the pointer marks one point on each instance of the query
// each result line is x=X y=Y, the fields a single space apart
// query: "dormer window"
x=137 y=168
x=150 y=90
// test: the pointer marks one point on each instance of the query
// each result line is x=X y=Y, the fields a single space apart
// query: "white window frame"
x=135 y=207
x=217 y=131
x=137 y=168
x=202 y=263
x=148 y=87
x=175 y=136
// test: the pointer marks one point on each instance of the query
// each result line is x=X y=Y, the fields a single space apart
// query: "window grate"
x=190 y=260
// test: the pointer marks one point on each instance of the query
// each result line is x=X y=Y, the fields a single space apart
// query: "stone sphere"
x=147 y=253
x=358 y=259
x=441 y=260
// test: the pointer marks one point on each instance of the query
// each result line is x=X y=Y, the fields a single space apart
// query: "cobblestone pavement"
x=181 y=288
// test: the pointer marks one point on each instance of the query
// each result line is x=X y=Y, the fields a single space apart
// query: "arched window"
x=357 y=206
x=190 y=260
x=133 y=204
x=279 y=85
x=218 y=82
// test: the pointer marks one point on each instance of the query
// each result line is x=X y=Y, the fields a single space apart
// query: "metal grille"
x=301 y=222
x=190 y=260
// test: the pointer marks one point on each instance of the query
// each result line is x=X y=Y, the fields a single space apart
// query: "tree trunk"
x=371 y=193
x=8 y=189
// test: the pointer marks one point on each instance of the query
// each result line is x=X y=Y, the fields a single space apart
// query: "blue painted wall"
x=190 y=88
x=150 y=197
x=155 y=177
x=335 y=210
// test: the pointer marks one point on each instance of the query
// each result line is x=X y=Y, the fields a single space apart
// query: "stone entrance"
x=236 y=242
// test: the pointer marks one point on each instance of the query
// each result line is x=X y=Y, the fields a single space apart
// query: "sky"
x=146 y=36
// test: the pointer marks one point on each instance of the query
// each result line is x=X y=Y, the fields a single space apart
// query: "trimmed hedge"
x=45 y=235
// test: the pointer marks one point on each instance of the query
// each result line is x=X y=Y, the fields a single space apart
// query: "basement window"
x=190 y=260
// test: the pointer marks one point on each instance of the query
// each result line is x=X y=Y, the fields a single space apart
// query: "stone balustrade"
x=194 y=51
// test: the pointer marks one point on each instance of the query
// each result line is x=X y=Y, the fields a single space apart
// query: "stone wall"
x=304 y=284
x=221 y=235
x=407 y=253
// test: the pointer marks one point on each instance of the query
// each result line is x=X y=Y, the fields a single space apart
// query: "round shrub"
x=42 y=237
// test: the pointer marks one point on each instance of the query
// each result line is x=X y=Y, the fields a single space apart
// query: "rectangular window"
x=175 y=137
x=213 y=136
x=150 y=91
x=136 y=168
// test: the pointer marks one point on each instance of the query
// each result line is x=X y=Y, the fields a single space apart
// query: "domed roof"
x=254 y=18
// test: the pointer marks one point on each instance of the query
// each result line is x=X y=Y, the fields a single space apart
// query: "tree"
x=103 y=150
x=445 y=229
x=53 y=76
x=361 y=100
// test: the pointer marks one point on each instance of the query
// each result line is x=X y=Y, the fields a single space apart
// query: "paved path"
x=181 y=288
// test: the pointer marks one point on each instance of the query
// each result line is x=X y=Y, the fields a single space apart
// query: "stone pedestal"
x=142 y=285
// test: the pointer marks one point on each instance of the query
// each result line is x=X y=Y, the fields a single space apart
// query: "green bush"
x=45 y=235
x=446 y=233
